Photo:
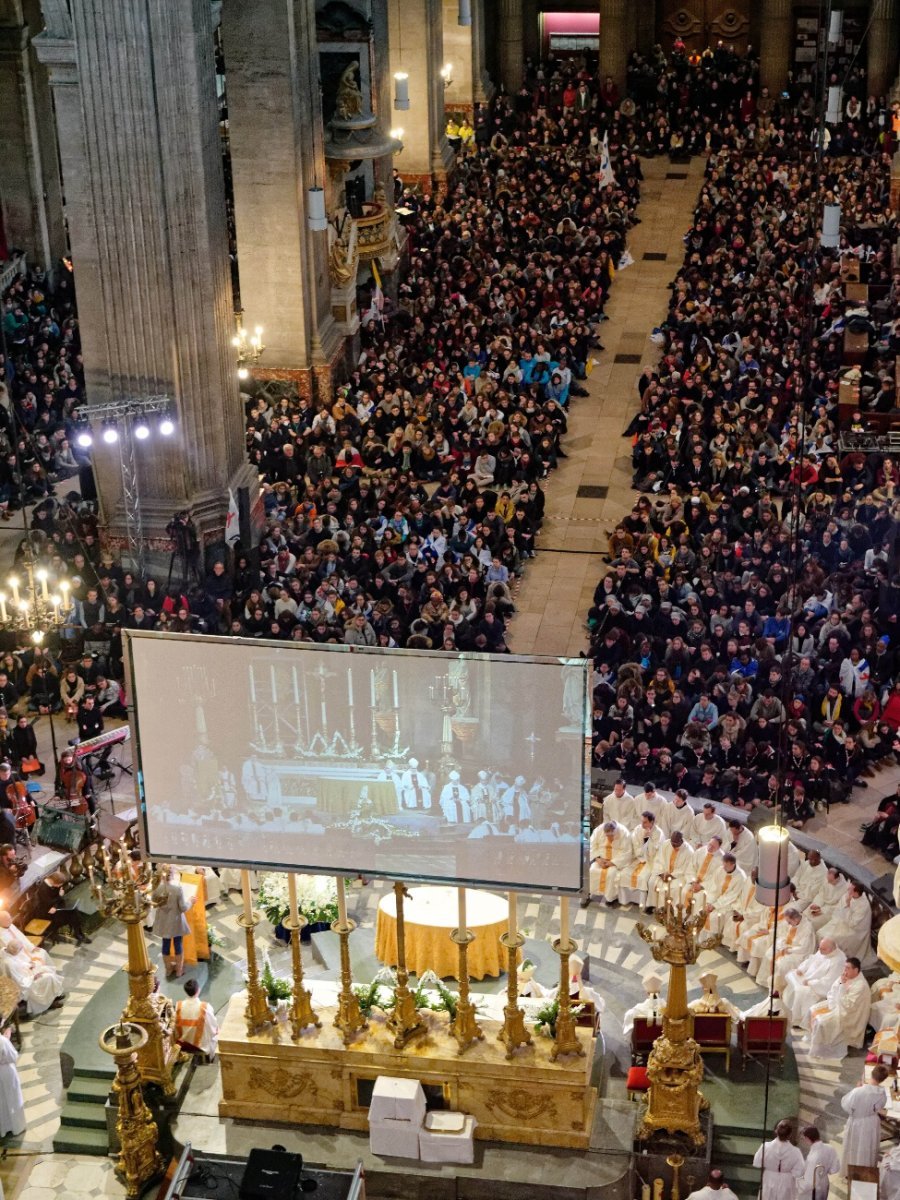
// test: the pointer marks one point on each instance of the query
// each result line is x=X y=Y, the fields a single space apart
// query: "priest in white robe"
x=862 y=1133
x=771 y=1006
x=715 y=1188
x=707 y=865
x=707 y=824
x=832 y=890
x=724 y=898
x=822 y=1161
x=809 y=878
x=782 y=1165
x=840 y=1019
x=678 y=817
x=651 y=1008
x=710 y=1001
x=742 y=844
x=620 y=806
x=794 y=943
x=454 y=801
x=757 y=931
x=851 y=924
x=12 y=1104
x=611 y=853
x=633 y=880
x=196 y=1027
x=885 y=995
x=30 y=968
x=415 y=790
x=809 y=983
x=672 y=870
x=649 y=800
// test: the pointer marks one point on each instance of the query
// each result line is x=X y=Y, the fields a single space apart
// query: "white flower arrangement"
x=316 y=897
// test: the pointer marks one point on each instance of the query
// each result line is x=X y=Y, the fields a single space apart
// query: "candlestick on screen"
x=461 y=900
x=292 y=896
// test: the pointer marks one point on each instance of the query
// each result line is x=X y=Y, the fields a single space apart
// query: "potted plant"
x=316 y=901
x=277 y=989
x=545 y=1021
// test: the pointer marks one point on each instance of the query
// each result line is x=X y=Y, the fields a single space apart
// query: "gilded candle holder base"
x=348 y=1018
x=464 y=1026
x=513 y=1032
x=139 y=1160
x=257 y=1013
x=301 y=1013
x=565 y=1039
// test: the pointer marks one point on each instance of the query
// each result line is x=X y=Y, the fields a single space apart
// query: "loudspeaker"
x=271 y=1175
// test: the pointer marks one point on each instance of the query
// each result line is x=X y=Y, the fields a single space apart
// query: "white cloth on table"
x=862 y=1133
x=823 y=1160
x=31 y=969
x=840 y=1020
x=12 y=1104
x=783 y=1168
x=809 y=983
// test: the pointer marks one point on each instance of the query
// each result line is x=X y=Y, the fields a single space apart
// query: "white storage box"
x=447 y=1137
x=396 y=1113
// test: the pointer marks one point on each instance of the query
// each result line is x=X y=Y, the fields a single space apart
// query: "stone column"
x=510 y=34
x=417 y=47
x=150 y=243
x=30 y=191
x=776 y=29
x=464 y=48
x=275 y=134
x=882 y=46
x=615 y=26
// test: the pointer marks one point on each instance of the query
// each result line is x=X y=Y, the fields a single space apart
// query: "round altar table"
x=430 y=915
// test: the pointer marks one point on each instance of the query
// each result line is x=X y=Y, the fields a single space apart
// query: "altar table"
x=430 y=915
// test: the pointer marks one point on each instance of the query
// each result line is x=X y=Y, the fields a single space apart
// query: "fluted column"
x=464 y=49
x=417 y=47
x=882 y=46
x=775 y=44
x=615 y=27
x=510 y=34
x=30 y=191
x=151 y=253
x=275 y=135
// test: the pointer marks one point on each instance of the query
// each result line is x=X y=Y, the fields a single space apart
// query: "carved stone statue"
x=349 y=102
x=341 y=263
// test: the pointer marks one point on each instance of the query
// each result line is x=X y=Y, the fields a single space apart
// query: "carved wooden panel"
x=700 y=23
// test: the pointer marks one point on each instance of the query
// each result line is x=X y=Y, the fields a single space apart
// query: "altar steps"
x=734 y=1152
x=83 y=1126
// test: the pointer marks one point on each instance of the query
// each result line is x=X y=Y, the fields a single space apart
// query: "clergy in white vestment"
x=651 y=1008
x=782 y=1165
x=620 y=806
x=851 y=923
x=611 y=853
x=454 y=801
x=12 y=1104
x=672 y=871
x=707 y=865
x=795 y=941
x=196 y=1027
x=830 y=893
x=742 y=844
x=649 y=800
x=715 y=1189
x=645 y=841
x=515 y=801
x=707 y=824
x=808 y=879
x=885 y=995
x=211 y=881
x=771 y=1006
x=862 y=1133
x=810 y=982
x=710 y=1001
x=481 y=798
x=415 y=790
x=840 y=1019
x=678 y=816
x=822 y=1161
x=30 y=968
x=724 y=899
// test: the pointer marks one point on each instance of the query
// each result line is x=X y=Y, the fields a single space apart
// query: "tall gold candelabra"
x=302 y=1012
x=565 y=1040
x=675 y=1066
x=464 y=1027
x=348 y=1018
x=257 y=1012
x=513 y=1032
x=403 y=1021
x=139 y=1158
x=126 y=893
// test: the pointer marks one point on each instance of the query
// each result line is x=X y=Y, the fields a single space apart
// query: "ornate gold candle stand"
x=675 y=1066
x=258 y=1014
x=403 y=1021
x=565 y=1039
x=302 y=1012
x=464 y=1027
x=139 y=1159
x=126 y=893
x=348 y=1018
x=513 y=1032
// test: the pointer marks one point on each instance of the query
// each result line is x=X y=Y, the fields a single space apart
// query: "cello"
x=17 y=801
x=73 y=782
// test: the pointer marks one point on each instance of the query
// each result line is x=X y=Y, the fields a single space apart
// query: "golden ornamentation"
x=519 y=1104
x=349 y=102
x=343 y=257
x=139 y=1160
x=287 y=1084
x=513 y=1032
x=403 y=1021
x=348 y=1018
x=258 y=1014
x=464 y=1027
x=676 y=1162
x=126 y=894
x=565 y=1039
x=302 y=1012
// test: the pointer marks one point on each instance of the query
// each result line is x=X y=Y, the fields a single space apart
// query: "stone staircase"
x=83 y=1126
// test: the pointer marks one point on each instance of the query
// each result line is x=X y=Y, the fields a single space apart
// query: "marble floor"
x=585 y=496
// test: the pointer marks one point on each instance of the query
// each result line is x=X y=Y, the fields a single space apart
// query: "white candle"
x=14 y=584
x=274 y=689
x=296 y=689
x=513 y=916
x=342 y=901
x=350 y=686
x=564 y=922
x=292 y=896
x=372 y=686
x=252 y=688
x=461 y=901
x=396 y=701
x=42 y=579
x=3 y=616
x=245 y=890
x=701 y=900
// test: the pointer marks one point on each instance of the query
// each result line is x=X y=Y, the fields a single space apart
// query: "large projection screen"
x=331 y=759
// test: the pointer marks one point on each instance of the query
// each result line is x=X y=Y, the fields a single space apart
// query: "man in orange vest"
x=196 y=1028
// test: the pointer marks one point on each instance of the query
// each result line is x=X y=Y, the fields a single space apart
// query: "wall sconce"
x=401 y=91
x=316 y=217
x=447 y=74
x=248 y=349
x=464 y=16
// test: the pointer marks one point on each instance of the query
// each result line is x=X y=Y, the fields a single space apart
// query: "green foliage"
x=448 y=1001
x=368 y=996
x=275 y=987
x=545 y=1021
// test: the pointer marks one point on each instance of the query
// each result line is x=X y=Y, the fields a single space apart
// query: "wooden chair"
x=762 y=1037
x=712 y=1033
x=643 y=1035
x=36 y=930
x=588 y=1017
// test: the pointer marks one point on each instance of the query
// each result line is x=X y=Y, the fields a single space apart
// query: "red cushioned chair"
x=762 y=1037
x=637 y=1083
x=712 y=1033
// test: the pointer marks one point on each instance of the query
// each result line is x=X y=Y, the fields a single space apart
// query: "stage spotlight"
x=142 y=430
x=110 y=435
x=167 y=427
x=85 y=439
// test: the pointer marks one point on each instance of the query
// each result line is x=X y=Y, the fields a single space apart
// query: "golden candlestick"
x=675 y=1066
x=257 y=1013
x=302 y=1012
x=565 y=1039
x=126 y=893
x=464 y=1026
x=513 y=1033
x=403 y=1021
x=676 y=1162
x=348 y=1018
x=139 y=1160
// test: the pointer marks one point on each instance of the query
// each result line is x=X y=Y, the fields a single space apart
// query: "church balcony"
x=375 y=229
